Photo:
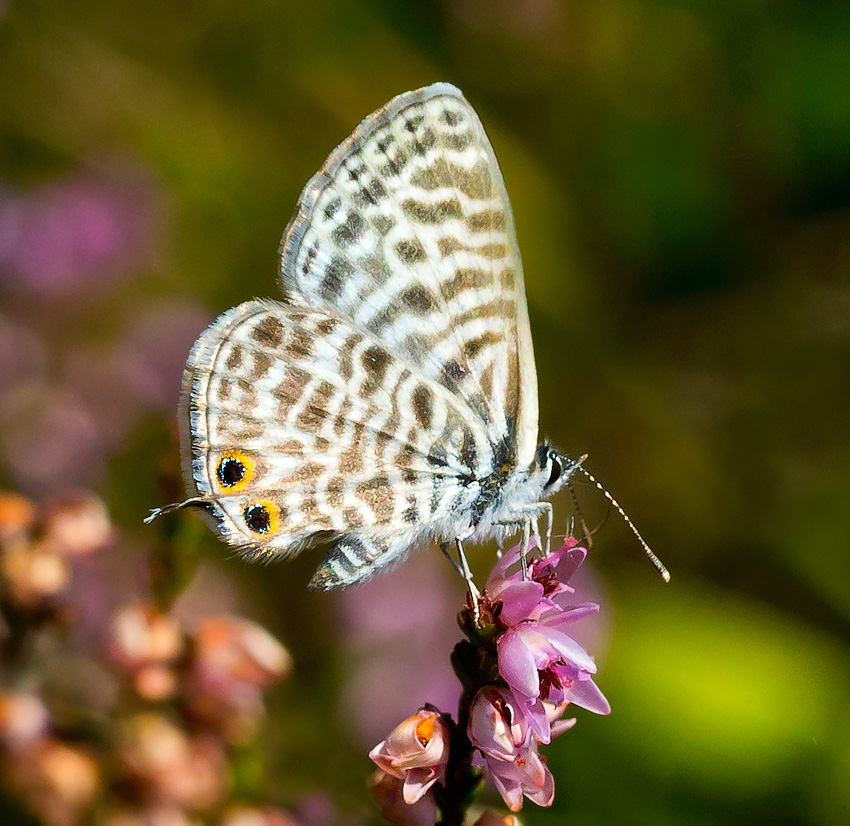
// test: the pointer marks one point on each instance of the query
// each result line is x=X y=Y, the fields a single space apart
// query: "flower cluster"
x=520 y=670
x=135 y=725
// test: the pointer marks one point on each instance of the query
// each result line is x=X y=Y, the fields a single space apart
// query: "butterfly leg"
x=546 y=510
x=444 y=547
x=523 y=548
x=461 y=565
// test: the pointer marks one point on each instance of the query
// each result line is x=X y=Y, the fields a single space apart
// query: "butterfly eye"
x=261 y=517
x=557 y=469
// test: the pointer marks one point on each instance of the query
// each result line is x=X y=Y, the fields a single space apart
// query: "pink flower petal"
x=538 y=722
x=571 y=650
x=562 y=618
x=508 y=560
x=586 y=694
x=569 y=562
x=519 y=599
x=561 y=726
x=517 y=664
x=507 y=783
x=417 y=782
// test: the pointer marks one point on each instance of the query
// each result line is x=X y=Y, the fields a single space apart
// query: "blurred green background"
x=680 y=177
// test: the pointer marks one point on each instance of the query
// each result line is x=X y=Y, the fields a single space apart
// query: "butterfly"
x=390 y=399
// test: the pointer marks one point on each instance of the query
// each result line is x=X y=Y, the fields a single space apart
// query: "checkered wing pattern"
x=302 y=428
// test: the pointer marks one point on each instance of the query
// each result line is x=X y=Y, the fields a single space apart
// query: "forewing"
x=407 y=232
x=301 y=428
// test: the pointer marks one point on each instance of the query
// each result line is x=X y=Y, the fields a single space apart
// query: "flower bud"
x=34 y=576
x=76 y=524
x=416 y=752
x=17 y=516
x=23 y=721
x=140 y=635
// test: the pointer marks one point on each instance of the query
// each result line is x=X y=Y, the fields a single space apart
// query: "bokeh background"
x=680 y=176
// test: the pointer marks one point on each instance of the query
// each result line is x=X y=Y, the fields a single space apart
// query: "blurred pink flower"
x=74 y=232
x=416 y=752
x=76 y=524
x=33 y=576
x=399 y=655
x=169 y=766
x=24 y=721
x=140 y=635
x=232 y=660
x=243 y=815
x=146 y=643
x=154 y=352
x=56 y=781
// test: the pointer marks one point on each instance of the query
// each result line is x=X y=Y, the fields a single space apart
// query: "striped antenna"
x=665 y=574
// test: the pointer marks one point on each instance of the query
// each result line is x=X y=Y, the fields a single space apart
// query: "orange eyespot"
x=262 y=517
x=235 y=470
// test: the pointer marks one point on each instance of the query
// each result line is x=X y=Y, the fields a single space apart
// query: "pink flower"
x=499 y=728
x=540 y=662
x=75 y=233
x=416 y=752
x=24 y=721
x=542 y=593
x=232 y=660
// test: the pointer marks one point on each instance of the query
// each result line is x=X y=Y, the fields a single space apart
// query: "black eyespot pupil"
x=230 y=471
x=257 y=518
x=556 y=472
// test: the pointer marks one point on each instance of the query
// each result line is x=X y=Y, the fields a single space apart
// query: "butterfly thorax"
x=508 y=495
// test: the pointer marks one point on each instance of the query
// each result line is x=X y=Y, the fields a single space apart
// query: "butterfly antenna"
x=665 y=574
x=587 y=535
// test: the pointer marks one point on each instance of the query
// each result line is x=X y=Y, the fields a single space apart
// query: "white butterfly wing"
x=407 y=233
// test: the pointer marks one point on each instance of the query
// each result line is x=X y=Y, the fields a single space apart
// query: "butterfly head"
x=552 y=469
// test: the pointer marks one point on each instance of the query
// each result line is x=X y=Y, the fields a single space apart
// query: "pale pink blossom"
x=499 y=729
x=544 y=592
x=415 y=752
x=541 y=663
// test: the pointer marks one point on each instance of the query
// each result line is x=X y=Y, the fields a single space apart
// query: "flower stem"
x=474 y=664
